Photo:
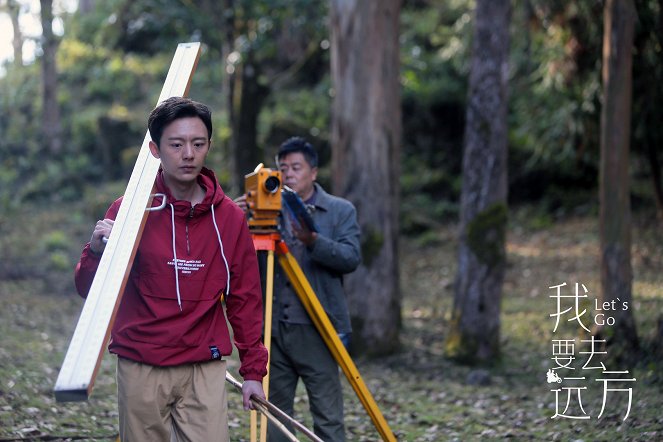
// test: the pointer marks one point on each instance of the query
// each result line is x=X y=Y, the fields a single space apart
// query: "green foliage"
x=20 y=148
x=97 y=86
x=555 y=98
x=303 y=112
x=97 y=199
x=429 y=238
x=532 y=218
x=434 y=55
x=112 y=62
x=113 y=59
x=59 y=261
x=429 y=196
x=56 y=240
x=647 y=113
x=142 y=27
x=421 y=212
x=435 y=51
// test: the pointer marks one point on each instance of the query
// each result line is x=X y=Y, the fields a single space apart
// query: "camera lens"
x=272 y=184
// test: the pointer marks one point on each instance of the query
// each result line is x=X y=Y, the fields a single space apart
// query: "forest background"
x=72 y=116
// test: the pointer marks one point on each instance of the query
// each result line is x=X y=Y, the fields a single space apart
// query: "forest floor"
x=422 y=395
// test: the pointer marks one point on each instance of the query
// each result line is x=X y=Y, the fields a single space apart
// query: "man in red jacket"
x=170 y=332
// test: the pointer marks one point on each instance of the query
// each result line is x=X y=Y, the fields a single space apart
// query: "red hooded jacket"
x=167 y=319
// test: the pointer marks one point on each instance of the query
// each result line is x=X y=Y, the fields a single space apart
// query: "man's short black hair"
x=299 y=144
x=173 y=109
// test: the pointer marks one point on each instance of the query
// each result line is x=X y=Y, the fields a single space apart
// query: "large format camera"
x=263 y=198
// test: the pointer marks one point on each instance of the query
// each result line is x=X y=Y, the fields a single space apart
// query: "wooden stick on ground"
x=275 y=412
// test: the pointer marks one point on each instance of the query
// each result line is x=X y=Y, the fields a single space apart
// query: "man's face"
x=298 y=174
x=183 y=148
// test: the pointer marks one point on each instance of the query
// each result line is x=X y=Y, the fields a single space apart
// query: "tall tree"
x=475 y=326
x=615 y=208
x=248 y=93
x=50 y=109
x=366 y=143
x=13 y=8
x=252 y=37
x=275 y=58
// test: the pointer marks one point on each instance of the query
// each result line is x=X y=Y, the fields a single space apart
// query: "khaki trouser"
x=168 y=404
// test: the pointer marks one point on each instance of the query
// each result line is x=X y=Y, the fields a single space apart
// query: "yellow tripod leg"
x=269 y=300
x=324 y=326
x=254 y=426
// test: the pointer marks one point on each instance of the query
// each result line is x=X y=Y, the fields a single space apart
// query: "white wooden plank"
x=79 y=369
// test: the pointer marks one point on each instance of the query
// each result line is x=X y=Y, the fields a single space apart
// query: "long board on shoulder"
x=87 y=346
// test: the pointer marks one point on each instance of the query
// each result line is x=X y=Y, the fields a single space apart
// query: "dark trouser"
x=299 y=351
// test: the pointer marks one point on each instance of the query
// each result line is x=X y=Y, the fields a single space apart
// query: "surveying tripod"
x=267 y=239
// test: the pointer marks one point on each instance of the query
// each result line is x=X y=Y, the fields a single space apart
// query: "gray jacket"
x=335 y=252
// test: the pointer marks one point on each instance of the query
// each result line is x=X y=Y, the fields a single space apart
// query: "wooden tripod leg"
x=324 y=326
x=254 y=426
x=269 y=299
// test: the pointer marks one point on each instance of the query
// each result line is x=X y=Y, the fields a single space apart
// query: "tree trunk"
x=615 y=208
x=475 y=329
x=366 y=139
x=14 y=10
x=228 y=26
x=249 y=96
x=50 y=109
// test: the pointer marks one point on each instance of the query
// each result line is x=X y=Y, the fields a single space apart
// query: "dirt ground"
x=422 y=395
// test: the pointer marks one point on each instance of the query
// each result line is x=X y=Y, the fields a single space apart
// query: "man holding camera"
x=298 y=350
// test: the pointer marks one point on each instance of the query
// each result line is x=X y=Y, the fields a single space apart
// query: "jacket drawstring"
x=223 y=255
x=177 y=278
